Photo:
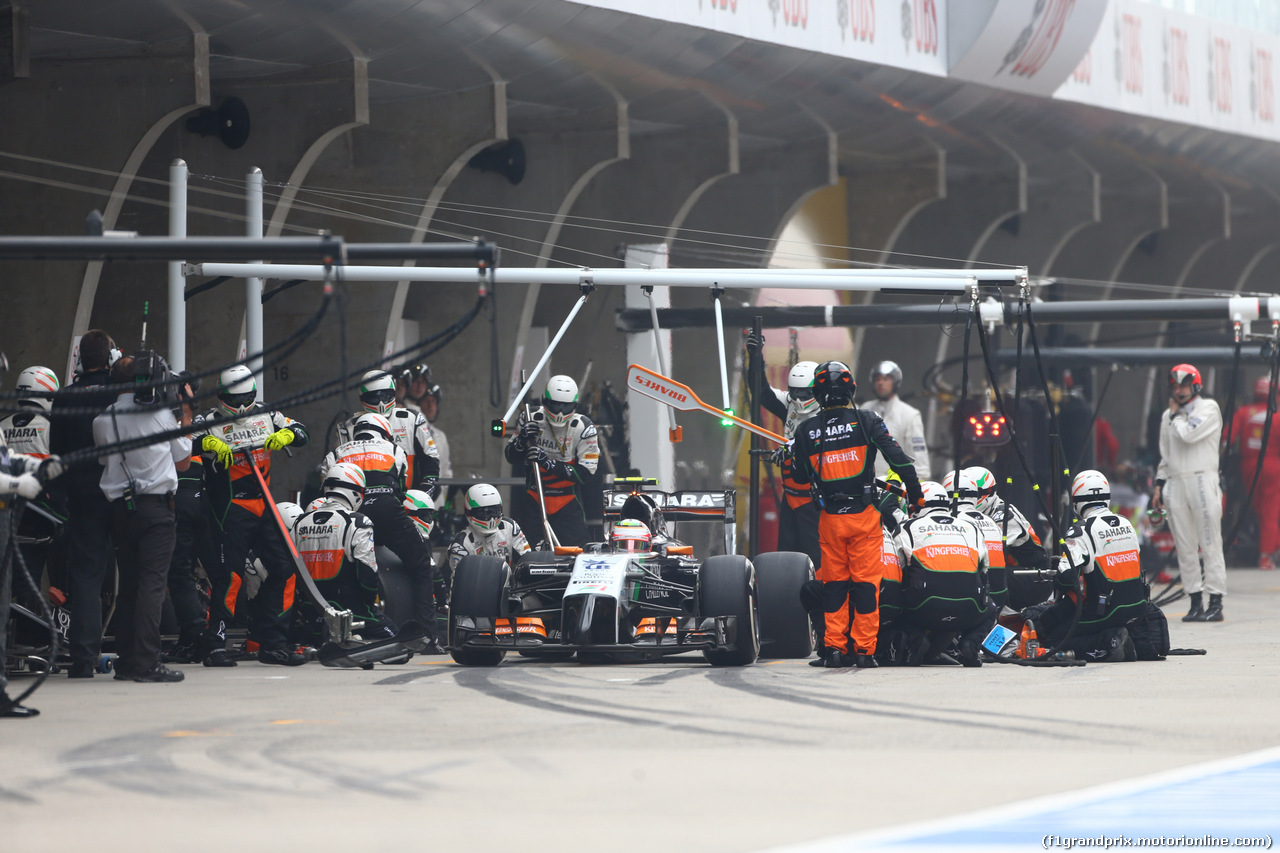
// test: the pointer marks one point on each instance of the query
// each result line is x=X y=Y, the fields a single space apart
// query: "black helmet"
x=833 y=384
x=642 y=507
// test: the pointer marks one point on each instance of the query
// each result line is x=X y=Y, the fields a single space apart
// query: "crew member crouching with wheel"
x=335 y=542
x=834 y=452
x=1102 y=547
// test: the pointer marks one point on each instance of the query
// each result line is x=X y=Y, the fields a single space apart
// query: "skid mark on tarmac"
x=736 y=680
x=299 y=755
x=1233 y=798
x=482 y=681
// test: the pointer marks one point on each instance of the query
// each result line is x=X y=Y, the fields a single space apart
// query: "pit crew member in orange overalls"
x=835 y=452
x=245 y=524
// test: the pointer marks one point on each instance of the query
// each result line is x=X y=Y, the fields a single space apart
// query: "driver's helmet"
x=630 y=536
x=378 y=392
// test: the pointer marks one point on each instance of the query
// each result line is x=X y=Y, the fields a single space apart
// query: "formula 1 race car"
x=606 y=605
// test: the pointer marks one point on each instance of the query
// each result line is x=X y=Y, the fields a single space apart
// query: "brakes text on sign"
x=673 y=393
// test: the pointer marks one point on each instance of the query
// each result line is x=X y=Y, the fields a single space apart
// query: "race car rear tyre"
x=785 y=628
x=726 y=588
x=479 y=584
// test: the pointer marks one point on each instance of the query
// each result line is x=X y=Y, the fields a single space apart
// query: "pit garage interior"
x=1134 y=157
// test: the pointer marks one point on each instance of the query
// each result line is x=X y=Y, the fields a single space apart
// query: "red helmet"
x=1262 y=389
x=1181 y=373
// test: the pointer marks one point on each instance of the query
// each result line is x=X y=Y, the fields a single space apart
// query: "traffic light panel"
x=988 y=429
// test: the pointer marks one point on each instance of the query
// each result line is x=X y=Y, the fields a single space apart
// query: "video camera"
x=150 y=368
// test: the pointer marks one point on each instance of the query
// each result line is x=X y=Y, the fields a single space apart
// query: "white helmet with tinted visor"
x=800 y=387
x=38 y=382
x=378 y=392
x=237 y=390
x=560 y=400
x=483 y=510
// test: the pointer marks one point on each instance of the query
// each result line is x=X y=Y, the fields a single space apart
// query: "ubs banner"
x=1168 y=65
x=907 y=34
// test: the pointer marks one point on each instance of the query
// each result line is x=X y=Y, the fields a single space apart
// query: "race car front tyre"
x=785 y=628
x=726 y=588
x=479 y=584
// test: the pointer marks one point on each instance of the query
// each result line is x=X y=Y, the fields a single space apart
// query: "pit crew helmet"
x=344 y=483
x=421 y=510
x=560 y=399
x=984 y=482
x=317 y=503
x=644 y=509
x=378 y=392
x=237 y=390
x=1090 y=487
x=800 y=387
x=833 y=384
x=290 y=512
x=483 y=510
x=890 y=369
x=935 y=494
x=372 y=424
x=630 y=536
x=1182 y=373
x=39 y=380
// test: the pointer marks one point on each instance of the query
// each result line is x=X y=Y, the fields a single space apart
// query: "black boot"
x=1196 y=613
x=1214 y=613
x=10 y=708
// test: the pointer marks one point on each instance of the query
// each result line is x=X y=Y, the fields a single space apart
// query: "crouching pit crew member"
x=835 y=452
x=560 y=445
x=488 y=532
x=385 y=469
x=1022 y=548
x=239 y=508
x=966 y=495
x=1103 y=548
x=335 y=542
x=944 y=584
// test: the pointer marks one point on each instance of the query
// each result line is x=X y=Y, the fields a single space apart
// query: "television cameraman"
x=140 y=483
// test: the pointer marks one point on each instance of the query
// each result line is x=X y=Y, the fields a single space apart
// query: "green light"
x=727 y=421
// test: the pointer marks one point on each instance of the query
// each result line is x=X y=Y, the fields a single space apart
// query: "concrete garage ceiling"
x=561 y=58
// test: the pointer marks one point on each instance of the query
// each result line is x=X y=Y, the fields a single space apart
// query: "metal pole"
x=546 y=356
x=757 y=388
x=662 y=361
x=724 y=368
x=177 y=282
x=252 y=284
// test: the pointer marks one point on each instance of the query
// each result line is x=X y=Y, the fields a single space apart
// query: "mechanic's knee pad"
x=811 y=596
x=834 y=595
x=863 y=596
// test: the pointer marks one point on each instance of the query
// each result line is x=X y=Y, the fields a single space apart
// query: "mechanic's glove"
x=779 y=456
x=280 y=439
x=50 y=469
x=24 y=485
x=755 y=343
x=537 y=456
x=218 y=447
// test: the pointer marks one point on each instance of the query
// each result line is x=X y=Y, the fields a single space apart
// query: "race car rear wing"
x=688 y=505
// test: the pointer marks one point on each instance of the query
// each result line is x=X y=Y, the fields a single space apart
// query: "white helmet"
x=800 y=387
x=317 y=503
x=935 y=494
x=344 y=483
x=372 y=424
x=483 y=510
x=421 y=510
x=290 y=512
x=1090 y=487
x=237 y=390
x=378 y=392
x=969 y=491
x=983 y=482
x=560 y=400
x=890 y=369
x=40 y=381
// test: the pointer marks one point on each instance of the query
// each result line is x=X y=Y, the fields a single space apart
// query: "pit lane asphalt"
x=561 y=756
